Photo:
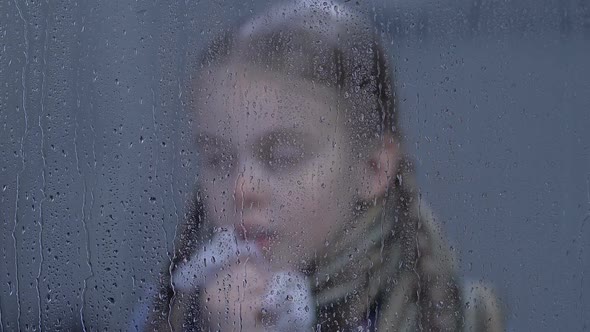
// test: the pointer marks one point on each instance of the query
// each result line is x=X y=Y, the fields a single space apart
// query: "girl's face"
x=276 y=162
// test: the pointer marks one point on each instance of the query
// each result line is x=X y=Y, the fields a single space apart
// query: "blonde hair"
x=399 y=264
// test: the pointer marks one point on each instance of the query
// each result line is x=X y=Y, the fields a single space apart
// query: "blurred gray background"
x=96 y=165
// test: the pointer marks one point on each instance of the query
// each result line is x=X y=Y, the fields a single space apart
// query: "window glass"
x=300 y=165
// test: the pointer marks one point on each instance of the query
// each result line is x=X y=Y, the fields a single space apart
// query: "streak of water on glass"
x=43 y=171
x=84 y=193
x=242 y=200
x=173 y=200
x=416 y=262
x=22 y=152
x=15 y=249
x=87 y=235
x=88 y=253
x=155 y=159
x=84 y=224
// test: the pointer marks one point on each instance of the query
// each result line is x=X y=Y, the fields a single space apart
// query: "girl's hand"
x=233 y=301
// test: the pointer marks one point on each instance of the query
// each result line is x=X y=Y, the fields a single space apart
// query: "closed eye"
x=216 y=153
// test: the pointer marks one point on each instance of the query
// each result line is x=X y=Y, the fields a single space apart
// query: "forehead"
x=237 y=100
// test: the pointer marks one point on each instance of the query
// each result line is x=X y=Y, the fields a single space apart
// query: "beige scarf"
x=395 y=261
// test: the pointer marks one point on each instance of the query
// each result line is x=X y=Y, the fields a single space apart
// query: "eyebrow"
x=216 y=140
x=282 y=132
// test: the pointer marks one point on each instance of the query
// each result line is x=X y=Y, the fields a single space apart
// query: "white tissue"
x=288 y=301
x=223 y=250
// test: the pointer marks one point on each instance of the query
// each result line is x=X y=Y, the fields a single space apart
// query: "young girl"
x=307 y=216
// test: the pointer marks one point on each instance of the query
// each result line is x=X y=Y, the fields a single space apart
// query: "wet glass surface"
x=102 y=155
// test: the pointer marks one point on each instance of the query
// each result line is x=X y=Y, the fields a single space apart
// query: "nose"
x=250 y=190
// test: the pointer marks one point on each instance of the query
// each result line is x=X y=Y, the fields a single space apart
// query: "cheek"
x=315 y=204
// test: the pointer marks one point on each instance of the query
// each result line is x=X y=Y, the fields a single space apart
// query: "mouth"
x=262 y=236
